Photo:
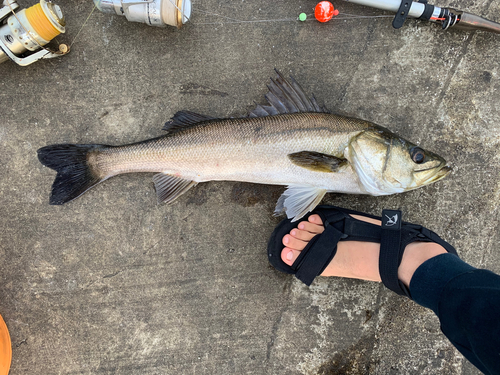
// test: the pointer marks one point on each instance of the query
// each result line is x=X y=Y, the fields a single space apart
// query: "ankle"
x=415 y=254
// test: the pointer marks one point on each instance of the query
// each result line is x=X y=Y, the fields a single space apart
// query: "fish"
x=289 y=141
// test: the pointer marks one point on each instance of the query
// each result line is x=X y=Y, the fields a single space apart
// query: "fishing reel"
x=151 y=12
x=30 y=30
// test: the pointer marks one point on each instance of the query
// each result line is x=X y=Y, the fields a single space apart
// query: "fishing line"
x=180 y=11
x=448 y=17
x=310 y=18
x=242 y=21
x=185 y=15
x=81 y=28
x=218 y=15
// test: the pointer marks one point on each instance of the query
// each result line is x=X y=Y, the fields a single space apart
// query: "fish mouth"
x=441 y=173
x=445 y=171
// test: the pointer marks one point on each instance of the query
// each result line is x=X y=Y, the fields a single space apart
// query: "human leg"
x=466 y=300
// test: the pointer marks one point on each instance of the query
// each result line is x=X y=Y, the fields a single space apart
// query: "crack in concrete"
x=25 y=342
x=111 y=275
x=453 y=71
x=276 y=325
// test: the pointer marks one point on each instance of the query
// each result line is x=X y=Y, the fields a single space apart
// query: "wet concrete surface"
x=113 y=283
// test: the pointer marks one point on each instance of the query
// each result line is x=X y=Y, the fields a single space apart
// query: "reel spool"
x=29 y=30
x=151 y=12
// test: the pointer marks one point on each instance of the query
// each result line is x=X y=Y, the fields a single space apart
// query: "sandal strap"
x=321 y=249
x=435 y=238
x=310 y=264
x=391 y=251
x=395 y=236
x=357 y=230
x=361 y=231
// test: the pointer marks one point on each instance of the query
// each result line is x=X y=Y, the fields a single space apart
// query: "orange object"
x=324 y=11
x=5 y=348
x=41 y=22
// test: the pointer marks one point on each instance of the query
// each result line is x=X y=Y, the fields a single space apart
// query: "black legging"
x=467 y=302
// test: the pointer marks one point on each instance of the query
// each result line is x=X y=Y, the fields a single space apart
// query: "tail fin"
x=74 y=175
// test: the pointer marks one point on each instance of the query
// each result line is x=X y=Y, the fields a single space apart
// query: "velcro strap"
x=390 y=243
x=317 y=255
x=362 y=231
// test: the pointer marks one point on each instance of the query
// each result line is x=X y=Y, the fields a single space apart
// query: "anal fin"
x=297 y=201
x=169 y=188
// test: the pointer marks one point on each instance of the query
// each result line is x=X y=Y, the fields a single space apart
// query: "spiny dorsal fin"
x=317 y=161
x=286 y=97
x=185 y=119
x=169 y=188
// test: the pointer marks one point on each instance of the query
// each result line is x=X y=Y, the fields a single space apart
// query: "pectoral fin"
x=169 y=188
x=297 y=201
x=317 y=161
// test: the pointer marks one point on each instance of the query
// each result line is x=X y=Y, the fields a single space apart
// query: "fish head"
x=386 y=163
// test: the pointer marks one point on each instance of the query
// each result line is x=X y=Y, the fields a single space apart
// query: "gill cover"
x=387 y=164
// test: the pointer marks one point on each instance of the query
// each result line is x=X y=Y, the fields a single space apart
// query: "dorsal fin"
x=286 y=97
x=183 y=120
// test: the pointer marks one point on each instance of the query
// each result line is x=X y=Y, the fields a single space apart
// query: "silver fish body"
x=247 y=149
x=305 y=148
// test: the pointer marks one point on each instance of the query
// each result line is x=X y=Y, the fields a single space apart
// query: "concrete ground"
x=113 y=283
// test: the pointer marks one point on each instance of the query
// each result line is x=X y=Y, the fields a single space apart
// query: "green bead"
x=302 y=16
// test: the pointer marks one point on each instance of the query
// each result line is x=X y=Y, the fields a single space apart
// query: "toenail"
x=293 y=232
x=301 y=226
x=285 y=240
x=289 y=256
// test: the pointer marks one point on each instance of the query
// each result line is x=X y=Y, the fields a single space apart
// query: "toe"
x=294 y=243
x=303 y=235
x=289 y=255
x=306 y=226
x=315 y=219
x=299 y=237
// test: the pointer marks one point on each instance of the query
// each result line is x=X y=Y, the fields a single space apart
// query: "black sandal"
x=394 y=235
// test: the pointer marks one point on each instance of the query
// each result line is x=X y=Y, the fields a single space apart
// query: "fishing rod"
x=448 y=17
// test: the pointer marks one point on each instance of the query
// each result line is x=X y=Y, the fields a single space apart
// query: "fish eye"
x=417 y=155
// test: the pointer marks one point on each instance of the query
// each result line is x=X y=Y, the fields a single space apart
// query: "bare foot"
x=355 y=259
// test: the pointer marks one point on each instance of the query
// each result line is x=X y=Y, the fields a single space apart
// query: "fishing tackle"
x=448 y=17
x=30 y=30
x=151 y=12
x=324 y=11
